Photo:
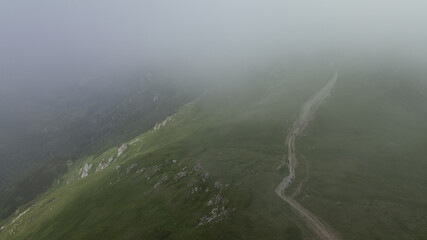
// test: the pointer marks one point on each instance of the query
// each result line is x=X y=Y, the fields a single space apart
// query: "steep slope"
x=79 y=120
x=206 y=172
x=210 y=170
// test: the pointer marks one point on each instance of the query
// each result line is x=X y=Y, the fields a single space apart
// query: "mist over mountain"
x=213 y=119
x=56 y=42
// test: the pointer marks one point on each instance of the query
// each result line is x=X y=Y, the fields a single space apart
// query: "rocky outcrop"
x=104 y=164
x=122 y=149
x=84 y=171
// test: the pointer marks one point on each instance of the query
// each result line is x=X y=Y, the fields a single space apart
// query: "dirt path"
x=302 y=182
x=321 y=228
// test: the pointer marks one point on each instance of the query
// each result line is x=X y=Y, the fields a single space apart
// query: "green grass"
x=236 y=133
x=366 y=172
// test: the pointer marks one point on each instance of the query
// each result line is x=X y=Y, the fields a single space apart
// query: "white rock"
x=180 y=175
x=161 y=124
x=102 y=165
x=195 y=190
x=20 y=215
x=122 y=149
x=84 y=171
x=198 y=167
x=134 y=141
x=214 y=216
x=130 y=167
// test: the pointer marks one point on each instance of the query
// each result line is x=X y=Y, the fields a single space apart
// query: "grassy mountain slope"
x=80 y=118
x=208 y=172
x=367 y=169
x=83 y=120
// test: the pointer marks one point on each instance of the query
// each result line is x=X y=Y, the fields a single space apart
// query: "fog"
x=244 y=88
x=45 y=42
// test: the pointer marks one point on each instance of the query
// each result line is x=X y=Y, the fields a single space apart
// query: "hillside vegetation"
x=209 y=170
x=366 y=153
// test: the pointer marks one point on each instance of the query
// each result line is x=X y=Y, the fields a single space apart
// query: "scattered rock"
x=156 y=168
x=161 y=124
x=205 y=176
x=130 y=167
x=218 y=185
x=214 y=216
x=121 y=149
x=181 y=174
x=198 y=167
x=84 y=171
x=20 y=215
x=134 y=141
x=104 y=164
x=196 y=190
x=164 y=179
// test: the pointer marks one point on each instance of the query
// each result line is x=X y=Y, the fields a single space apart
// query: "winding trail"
x=317 y=225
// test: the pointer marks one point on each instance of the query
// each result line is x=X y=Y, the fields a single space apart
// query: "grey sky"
x=46 y=38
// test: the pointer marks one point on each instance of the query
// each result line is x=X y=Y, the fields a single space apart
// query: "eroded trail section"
x=321 y=228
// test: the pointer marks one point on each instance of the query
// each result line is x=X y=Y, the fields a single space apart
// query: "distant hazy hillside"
x=48 y=127
x=80 y=118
